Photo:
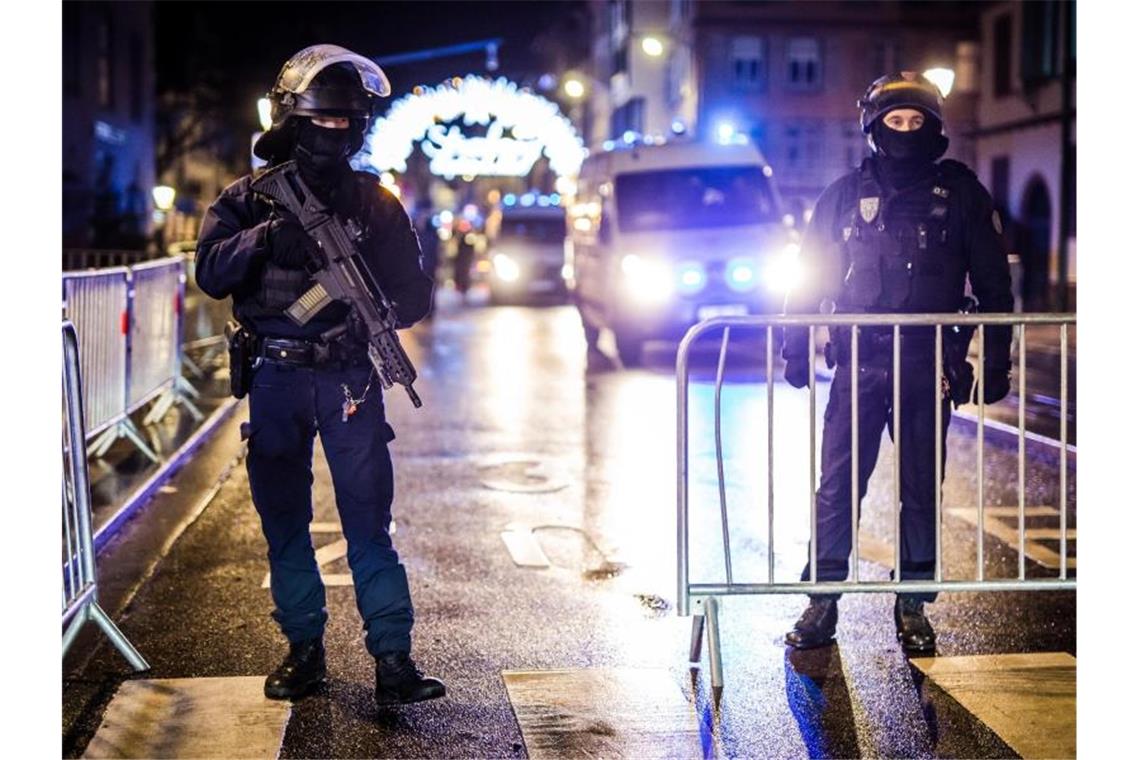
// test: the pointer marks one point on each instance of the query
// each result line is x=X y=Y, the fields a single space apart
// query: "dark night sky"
x=237 y=48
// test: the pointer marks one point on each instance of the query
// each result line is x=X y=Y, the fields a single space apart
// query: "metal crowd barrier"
x=80 y=579
x=128 y=323
x=158 y=292
x=707 y=594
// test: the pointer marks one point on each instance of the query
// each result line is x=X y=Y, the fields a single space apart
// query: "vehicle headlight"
x=741 y=274
x=646 y=281
x=505 y=267
x=785 y=270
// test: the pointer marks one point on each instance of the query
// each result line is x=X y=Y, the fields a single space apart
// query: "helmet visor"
x=298 y=71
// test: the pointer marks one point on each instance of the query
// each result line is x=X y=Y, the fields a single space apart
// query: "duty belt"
x=289 y=351
x=307 y=353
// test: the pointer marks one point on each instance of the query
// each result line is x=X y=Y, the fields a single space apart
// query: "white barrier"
x=128 y=320
x=707 y=593
x=96 y=303
x=157 y=295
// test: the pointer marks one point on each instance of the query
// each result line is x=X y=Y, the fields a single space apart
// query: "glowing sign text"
x=520 y=127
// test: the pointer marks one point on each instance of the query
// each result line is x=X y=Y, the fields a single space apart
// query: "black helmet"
x=907 y=89
x=321 y=80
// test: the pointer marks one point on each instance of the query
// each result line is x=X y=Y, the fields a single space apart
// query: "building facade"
x=108 y=117
x=785 y=74
x=1026 y=141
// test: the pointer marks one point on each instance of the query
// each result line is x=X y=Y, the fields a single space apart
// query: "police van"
x=663 y=236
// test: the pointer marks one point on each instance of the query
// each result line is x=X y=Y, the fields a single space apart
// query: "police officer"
x=900 y=234
x=256 y=253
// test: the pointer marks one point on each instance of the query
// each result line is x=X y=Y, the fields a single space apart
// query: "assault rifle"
x=341 y=275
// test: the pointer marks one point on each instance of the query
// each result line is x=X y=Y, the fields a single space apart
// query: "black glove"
x=997 y=385
x=290 y=247
x=797 y=371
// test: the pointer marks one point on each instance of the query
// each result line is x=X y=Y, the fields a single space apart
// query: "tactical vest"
x=279 y=288
x=904 y=262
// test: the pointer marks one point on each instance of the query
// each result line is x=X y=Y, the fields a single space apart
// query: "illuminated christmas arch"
x=519 y=127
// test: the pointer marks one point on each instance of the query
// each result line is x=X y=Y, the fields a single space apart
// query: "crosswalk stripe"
x=603 y=712
x=1029 y=700
x=191 y=718
x=326 y=554
x=1007 y=534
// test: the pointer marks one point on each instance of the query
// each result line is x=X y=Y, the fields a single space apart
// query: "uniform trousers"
x=916 y=464
x=289 y=405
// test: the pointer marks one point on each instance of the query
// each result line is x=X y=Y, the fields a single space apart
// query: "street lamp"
x=943 y=79
x=574 y=88
x=652 y=47
x=264 y=113
x=163 y=197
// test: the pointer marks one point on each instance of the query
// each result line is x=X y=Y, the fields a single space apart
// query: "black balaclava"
x=904 y=158
x=322 y=153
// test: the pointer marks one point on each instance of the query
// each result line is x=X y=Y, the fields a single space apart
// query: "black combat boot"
x=816 y=627
x=303 y=668
x=399 y=682
x=914 y=630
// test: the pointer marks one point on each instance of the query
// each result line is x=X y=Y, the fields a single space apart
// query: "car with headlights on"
x=663 y=236
x=528 y=255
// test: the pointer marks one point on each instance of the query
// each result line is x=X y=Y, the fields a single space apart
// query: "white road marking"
x=524 y=547
x=191 y=718
x=875 y=550
x=325 y=555
x=604 y=712
x=522 y=473
x=1007 y=534
x=1029 y=700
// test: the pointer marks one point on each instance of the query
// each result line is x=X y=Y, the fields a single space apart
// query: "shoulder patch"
x=997 y=221
x=868 y=209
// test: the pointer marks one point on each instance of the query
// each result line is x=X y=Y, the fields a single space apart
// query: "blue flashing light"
x=555 y=199
x=678 y=127
x=691 y=277
x=725 y=132
x=543 y=201
x=629 y=137
x=608 y=145
x=509 y=199
x=527 y=200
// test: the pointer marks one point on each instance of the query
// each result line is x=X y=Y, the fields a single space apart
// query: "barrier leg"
x=161 y=406
x=74 y=627
x=695 y=639
x=715 y=666
x=184 y=386
x=103 y=442
x=131 y=433
x=181 y=393
x=95 y=612
x=125 y=429
x=193 y=368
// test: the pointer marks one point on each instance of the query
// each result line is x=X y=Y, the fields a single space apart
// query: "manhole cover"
x=522 y=474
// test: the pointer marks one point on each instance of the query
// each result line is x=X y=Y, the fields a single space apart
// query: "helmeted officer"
x=256 y=253
x=902 y=233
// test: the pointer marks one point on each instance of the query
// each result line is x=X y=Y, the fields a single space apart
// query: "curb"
x=137 y=500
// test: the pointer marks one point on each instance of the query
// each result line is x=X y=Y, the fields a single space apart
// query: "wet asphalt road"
x=520 y=426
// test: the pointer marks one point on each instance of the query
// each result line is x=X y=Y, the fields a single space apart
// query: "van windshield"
x=535 y=230
x=702 y=196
